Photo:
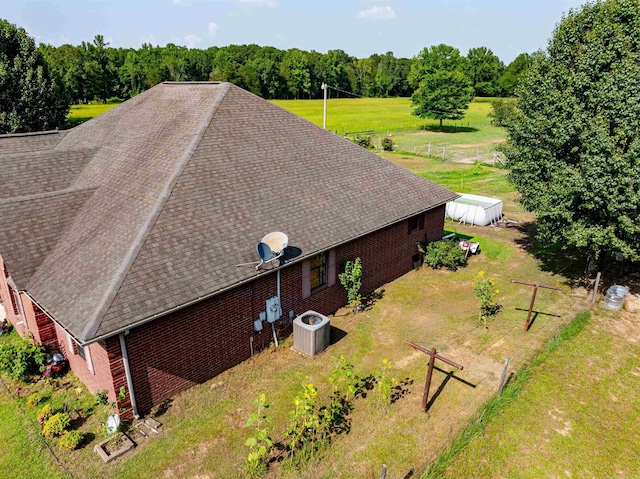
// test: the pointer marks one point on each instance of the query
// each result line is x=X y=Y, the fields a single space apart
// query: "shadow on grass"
x=459 y=236
x=448 y=129
x=86 y=440
x=569 y=262
x=449 y=375
x=401 y=390
x=163 y=407
x=369 y=300
x=337 y=334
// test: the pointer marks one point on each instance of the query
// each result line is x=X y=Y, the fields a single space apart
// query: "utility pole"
x=325 y=87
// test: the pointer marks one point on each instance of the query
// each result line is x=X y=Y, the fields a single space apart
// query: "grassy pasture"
x=474 y=135
x=383 y=115
x=81 y=113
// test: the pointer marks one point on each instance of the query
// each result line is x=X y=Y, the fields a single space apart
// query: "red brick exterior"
x=194 y=344
x=198 y=342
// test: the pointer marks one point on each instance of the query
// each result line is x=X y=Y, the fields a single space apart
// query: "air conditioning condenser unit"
x=311 y=333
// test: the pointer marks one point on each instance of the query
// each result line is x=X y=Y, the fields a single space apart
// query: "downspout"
x=127 y=372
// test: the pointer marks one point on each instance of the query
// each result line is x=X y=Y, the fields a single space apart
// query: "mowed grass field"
x=81 y=113
x=463 y=140
x=382 y=115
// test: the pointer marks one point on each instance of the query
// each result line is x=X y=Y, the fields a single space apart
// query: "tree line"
x=96 y=71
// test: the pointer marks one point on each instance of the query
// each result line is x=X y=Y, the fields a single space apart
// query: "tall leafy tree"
x=483 y=69
x=511 y=76
x=574 y=145
x=100 y=69
x=295 y=70
x=31 y=98
x=443 y=90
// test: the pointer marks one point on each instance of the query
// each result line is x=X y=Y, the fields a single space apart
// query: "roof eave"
x=248 y=280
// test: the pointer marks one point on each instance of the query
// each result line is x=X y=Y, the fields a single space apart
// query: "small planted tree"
x=351 y=279
x=385 y=382
x=260 y=442
x=484 y=289
x=304 y=426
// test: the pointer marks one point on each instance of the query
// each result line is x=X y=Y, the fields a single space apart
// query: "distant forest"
x=95 y=71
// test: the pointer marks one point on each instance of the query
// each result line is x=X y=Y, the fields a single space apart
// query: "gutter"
x=240 y=283
x=127 y=372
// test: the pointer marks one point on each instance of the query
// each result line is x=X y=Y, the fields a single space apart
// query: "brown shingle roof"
x=189 y=177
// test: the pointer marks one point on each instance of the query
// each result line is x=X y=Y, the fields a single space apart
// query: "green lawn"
x=473 y=137
x=383 y=115
x=576 y=415
x=22 y=453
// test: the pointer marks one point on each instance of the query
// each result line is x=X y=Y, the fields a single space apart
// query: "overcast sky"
x=359 y=27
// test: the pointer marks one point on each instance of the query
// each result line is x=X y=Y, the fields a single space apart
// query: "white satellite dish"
x=277 y=241
x=270 y=248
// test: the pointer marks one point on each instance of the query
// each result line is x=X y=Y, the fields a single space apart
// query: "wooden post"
x=383 y=472
x=503 y=377
x=433 y=355
x=533 y=297
x=595 y=287
x=427 y=386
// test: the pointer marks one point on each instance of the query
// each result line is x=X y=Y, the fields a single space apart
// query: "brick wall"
x=196 y=343
x=101 y=364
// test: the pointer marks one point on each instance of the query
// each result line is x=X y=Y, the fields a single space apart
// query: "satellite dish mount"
x=270 y=248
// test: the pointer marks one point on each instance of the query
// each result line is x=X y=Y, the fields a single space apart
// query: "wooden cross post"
x=433 y=355
x=533 y=297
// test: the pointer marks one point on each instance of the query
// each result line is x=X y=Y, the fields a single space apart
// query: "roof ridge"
x=18 y=199
x=137 y=244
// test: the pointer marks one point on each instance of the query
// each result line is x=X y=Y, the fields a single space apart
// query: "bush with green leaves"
x=363 y=140
x=56 y=425
x=345 y=379
x=443 y=254
x=102 y=397
x=20 y=357
x=387 y=144
x=502 y=111
x=385 y=382
x=484 y=288
x=44 y=413
x=304 y=426
x=70 y=440
x=34 y=399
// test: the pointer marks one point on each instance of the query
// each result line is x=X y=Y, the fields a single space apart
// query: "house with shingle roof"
x=120 y=238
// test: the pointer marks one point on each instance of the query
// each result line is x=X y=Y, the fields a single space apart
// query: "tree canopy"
x=574 y=144
x=483 y=69
x=31 y=99
x=443 y=90
x=509 y=79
